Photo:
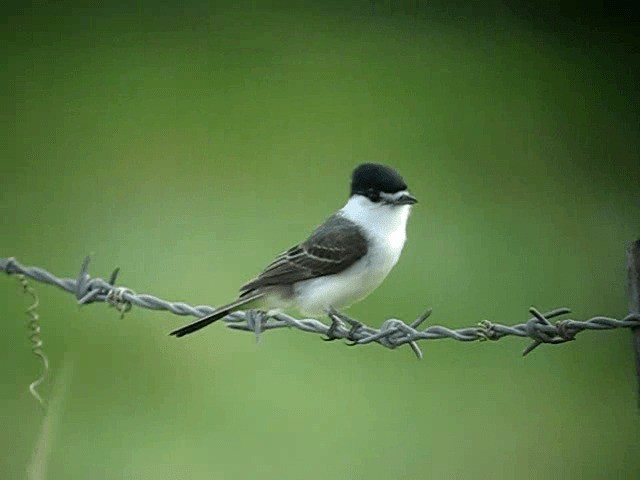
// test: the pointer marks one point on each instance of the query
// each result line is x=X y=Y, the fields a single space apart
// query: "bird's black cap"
x=370 y=178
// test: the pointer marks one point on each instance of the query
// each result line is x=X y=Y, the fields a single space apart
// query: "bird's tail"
x=216 y=315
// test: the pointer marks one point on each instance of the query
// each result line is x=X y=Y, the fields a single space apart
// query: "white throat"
x=380 y=221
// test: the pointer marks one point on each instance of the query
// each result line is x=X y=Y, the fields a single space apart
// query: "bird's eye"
x=373 y=195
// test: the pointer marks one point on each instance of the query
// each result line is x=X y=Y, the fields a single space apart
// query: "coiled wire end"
x=33 y=326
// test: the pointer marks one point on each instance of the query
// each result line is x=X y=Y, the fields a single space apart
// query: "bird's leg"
x=338 y=319
x=336 y=323
x=355 y=326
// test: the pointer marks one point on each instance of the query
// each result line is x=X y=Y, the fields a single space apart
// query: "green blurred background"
x=169 y=140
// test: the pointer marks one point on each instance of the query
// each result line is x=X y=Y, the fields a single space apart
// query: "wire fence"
x=392 y=334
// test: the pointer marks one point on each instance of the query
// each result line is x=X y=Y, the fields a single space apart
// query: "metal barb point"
x=416 y=350
x=531 y=347
x=82 y=282
x=557 y=312
x=84 y=268
x=420 y=320
x=255 y=319
x=539 y=316
x=114 y=276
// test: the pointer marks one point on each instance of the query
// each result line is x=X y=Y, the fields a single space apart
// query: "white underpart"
x=385 y=227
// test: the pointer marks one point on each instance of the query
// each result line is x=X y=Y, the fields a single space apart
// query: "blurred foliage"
x=188 y=145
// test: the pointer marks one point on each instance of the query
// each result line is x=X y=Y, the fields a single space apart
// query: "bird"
x=341 y=262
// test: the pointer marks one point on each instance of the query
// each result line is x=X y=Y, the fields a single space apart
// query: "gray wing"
x=331 y=248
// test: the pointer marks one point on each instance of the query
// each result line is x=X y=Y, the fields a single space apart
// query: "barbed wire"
x=392 y=334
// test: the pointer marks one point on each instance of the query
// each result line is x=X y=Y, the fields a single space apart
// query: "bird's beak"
x=406 y=199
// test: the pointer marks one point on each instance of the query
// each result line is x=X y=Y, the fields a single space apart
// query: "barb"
x=33 y=324
x=392 y=334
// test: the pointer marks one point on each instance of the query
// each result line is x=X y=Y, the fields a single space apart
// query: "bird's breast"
x=316 y=295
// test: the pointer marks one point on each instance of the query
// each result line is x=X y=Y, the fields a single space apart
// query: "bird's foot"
x=355 y=326
x=331 y=332
x=336 y=323
x=339 y=319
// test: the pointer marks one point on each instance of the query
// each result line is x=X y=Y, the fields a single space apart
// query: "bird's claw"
x=338 y=320
x=331 y=332
x=355 y=326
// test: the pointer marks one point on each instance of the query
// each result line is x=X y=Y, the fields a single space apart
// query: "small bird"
x=342 y=261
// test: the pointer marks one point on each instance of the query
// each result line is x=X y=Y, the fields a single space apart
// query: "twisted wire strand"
x=392 y=334
x=33 y=325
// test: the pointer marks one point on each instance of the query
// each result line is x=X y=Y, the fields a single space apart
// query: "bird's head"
x=380 y=185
